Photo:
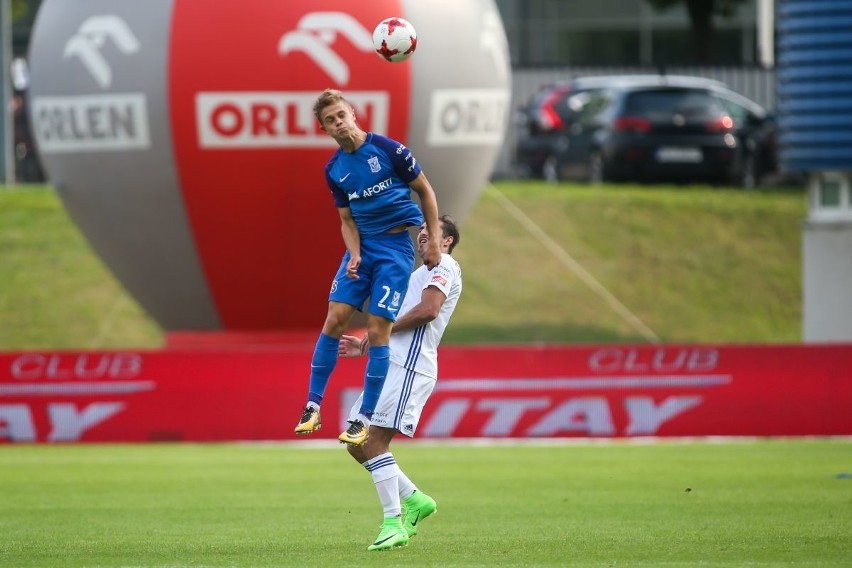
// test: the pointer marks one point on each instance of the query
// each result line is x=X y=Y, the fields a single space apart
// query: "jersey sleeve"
x=404 y=163
x=339 y=196
x=441 y=277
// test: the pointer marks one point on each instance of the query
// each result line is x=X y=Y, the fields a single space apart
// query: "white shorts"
x=402 y=400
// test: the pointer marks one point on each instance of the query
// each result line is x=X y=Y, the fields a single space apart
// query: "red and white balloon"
x=181 y=138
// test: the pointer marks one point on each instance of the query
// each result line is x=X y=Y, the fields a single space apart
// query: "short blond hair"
x=327 y=98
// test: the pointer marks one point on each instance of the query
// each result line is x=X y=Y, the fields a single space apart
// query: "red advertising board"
x=256 y=393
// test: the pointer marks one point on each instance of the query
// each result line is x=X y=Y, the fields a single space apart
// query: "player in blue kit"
x=371 y=178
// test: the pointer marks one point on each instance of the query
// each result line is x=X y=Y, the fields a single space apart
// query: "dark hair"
x=449 y=229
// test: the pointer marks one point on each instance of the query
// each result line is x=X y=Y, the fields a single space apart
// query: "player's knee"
x=337 y=320
x=379 y=330
x=377 y=443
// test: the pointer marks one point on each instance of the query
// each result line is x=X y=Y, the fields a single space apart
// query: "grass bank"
x=542 y=263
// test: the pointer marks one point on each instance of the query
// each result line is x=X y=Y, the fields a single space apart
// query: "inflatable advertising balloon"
x=180 y=137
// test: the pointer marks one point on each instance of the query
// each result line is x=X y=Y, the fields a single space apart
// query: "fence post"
x=7 y=156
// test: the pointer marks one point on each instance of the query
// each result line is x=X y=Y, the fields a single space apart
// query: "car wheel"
x=597 y=168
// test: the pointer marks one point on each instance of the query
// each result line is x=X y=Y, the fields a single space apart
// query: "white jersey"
x=417 y=349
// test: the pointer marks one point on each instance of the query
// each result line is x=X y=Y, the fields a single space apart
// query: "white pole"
x=766 y=32
x=7 y=156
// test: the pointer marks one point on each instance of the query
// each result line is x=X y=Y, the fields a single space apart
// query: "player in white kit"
x=429 y=303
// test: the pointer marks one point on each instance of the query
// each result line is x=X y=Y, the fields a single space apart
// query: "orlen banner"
x=181 y=139
x=483 y=392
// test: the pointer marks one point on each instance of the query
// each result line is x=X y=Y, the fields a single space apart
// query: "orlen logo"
x=285 y=119
x=317 y=32
x=277 y=119
x=94 y=122
x=93 y=33
x=469 y=117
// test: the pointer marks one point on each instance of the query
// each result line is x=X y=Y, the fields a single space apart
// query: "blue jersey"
x=373 y=182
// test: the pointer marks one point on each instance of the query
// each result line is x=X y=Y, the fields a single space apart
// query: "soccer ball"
x=394 y=39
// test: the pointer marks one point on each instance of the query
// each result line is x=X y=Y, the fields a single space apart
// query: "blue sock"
x=374 y=379
x=322 y=364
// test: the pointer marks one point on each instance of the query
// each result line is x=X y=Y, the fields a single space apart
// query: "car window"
x=586 y=106
x=568 y=103
x=577 y=101
x=671 y=101
x=739 y=113
x=751 y=107
x=597 y=103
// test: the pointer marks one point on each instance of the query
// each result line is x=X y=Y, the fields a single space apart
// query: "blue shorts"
x=387 y=261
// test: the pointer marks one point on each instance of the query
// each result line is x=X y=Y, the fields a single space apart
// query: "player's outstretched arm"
x=350 y=346
x=429 y=204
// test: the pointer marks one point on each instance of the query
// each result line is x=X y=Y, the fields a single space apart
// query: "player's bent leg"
x=356 y=434
x=391 y=535
x=357 y=453
x=378 y=442
x=416 y=508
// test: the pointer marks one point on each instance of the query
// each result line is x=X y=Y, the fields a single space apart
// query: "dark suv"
x=645 y=127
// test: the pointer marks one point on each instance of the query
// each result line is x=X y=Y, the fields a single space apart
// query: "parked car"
x=645 y=127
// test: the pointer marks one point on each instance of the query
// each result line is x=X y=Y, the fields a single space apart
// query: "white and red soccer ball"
x=394 y=39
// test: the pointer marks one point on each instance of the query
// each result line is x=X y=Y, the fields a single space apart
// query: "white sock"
x=406 y=486
x=386 y=475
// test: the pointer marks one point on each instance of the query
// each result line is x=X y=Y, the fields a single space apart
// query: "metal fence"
x=755 y=83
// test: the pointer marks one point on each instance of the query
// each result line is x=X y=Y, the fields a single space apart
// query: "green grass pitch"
x=670 y=504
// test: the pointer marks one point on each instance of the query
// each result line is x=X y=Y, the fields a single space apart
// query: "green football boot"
x=417 y=507
x=391 y=535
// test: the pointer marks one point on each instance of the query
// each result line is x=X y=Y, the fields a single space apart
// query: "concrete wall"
x=827 y=273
